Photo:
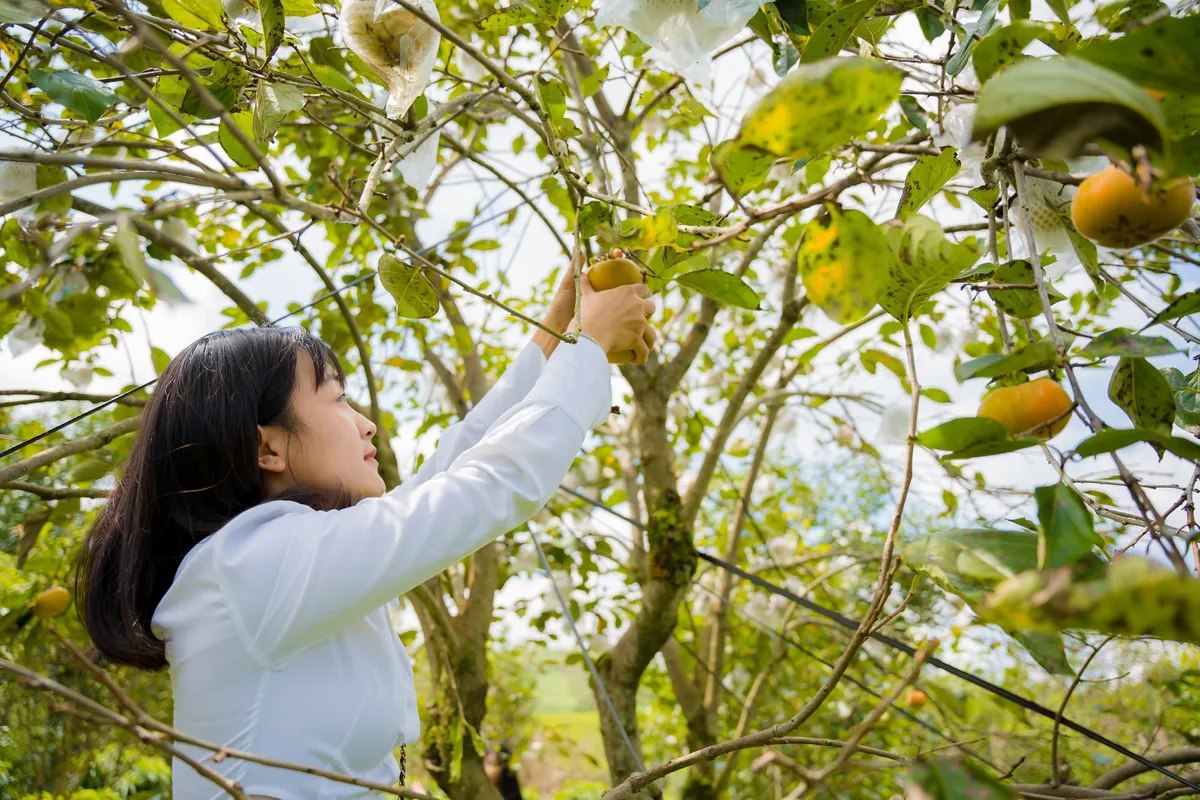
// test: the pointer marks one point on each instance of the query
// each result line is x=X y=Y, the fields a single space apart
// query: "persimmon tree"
x=889 y=204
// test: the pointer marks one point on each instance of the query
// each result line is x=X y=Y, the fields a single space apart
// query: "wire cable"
x=896 y=644
x=562 y=601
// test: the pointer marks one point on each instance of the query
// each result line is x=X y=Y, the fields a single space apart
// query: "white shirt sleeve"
x=510 y=389
x=298 y=577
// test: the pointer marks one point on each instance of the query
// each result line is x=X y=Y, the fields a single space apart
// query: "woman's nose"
x=369 y=426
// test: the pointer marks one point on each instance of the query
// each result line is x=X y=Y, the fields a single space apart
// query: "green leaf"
x=80 y=93
x=721 y=286
x=873 y=29
x=335 y=80
x=1046 y=649
x=195 y=13
x=20 y=11
x=1019 y=303
x=785 y=58
x=931 y=24
x=229 y=143
x=970 y=562
x=913 y=112
x=984 y=196
x=129 y=243
x=165 y=289
x=414 y=294
x=1019 y=9
x=820 y=106
x=1124 y=342
x=840 y=264
x=1067 y=532
x=961 y=433
x=1055 y=106
x=164 y=124
x=953 y=778
x=832 y=35
x=1162 y=55
x=88 y=471
x=1003 y=46
x=50 y=175
x=795 y=14
x=1187 y=398
x=923 y=262
x=987 y=20
x=300 y=8
x=593 y=215
x=742 y=168
x=1059 y=7
x=160 y=358
x=686 y=214
x=642 y=233
x=1033 y=357
x=1183 y=306
x=553 y=98
x=973 y=437
x=225 y=83
x=1113 y=439
x=271 y=14
x=1143 y=393
x=925 y=180
x=273 y=103
x=1135 y=597
x=505 y=18
x=1084 y=248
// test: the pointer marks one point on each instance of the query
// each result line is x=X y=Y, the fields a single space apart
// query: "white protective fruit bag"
x=398 y=45
x=681 y=38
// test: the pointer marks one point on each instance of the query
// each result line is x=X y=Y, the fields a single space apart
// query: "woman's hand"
x=561 y=313
x=562 y=306
x=618 y=319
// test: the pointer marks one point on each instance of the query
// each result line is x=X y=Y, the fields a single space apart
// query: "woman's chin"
x=373 y=487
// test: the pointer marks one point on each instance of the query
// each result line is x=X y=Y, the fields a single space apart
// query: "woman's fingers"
x=648 y=307
x=641 y=352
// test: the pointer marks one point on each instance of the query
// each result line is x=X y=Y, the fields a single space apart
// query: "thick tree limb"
x=52 y=492
x=51 y=454
x=1167 y=758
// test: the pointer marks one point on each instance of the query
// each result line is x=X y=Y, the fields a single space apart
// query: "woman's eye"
x=342 y=397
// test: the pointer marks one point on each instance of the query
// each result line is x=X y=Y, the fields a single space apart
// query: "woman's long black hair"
x=193 y=467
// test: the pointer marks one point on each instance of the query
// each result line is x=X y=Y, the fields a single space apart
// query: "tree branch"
x=51 y=454
x=184 y=254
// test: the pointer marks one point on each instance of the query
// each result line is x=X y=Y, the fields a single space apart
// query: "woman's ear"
x=272 y=445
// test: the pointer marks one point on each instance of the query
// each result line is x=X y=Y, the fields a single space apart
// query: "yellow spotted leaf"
x=843 y=264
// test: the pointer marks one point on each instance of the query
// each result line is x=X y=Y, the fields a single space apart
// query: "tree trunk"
x=671 y=563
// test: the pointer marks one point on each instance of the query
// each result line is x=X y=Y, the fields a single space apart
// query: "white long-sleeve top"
x=277 y=628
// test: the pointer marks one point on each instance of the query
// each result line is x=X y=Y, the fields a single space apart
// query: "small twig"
x=1054 y=769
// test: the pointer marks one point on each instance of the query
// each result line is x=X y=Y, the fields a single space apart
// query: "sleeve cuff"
x=577 y=379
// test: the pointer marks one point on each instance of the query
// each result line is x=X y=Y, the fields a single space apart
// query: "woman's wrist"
x=547 y=341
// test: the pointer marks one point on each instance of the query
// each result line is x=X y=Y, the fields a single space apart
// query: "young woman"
x=250 y=546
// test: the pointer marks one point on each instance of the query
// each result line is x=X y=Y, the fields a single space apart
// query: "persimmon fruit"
x=609 y=274
x=916 y=698
x=51 y=602
x=1112 y=208
x=1035 y=408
